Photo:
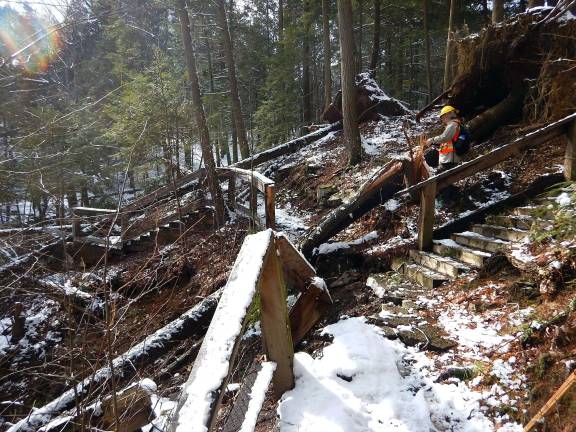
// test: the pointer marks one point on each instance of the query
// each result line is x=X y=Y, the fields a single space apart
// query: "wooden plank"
x=76 y=228
x=551 y=402
x=276 y=324
x=306 y=312
x=90 y=211
x=570 y=157
x=202 y=394
x=498 y=155
x=257 y=179
x=270 y=206
x=426 y=222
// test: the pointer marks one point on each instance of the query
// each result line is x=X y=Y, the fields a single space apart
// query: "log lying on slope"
x=191 y=323
x=287 y=148
x=380 y=187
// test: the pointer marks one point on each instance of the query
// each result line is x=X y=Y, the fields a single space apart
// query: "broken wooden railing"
x=428 y=189
x=257 y=183
x=268 y=264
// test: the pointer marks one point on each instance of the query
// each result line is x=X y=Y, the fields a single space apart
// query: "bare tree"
x=231 y=66
x=280 y=19
x=306 y=83
x=374 y=58
x=497 y=11
x=449 y=45
x=348 y=67
x=427 y=44
x=199 y=114
x=327 y=53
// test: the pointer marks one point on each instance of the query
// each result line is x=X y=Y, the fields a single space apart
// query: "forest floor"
x=486 y=316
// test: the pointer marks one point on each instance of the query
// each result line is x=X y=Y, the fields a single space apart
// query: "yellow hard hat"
x=447 y=109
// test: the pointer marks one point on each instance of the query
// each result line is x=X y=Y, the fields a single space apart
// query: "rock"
x=346 y=278
x=323 y=192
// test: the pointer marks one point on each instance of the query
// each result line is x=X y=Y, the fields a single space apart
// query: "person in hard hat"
x=447 y=157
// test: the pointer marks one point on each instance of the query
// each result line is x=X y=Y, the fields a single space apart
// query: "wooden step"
x=478 y=241
x=424 y=276
x=449 y=248
x=500 y=232
x=541 y=212
x=438 y=263
x=519 y=222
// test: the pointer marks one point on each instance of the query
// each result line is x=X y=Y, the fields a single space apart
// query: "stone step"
x=449 y=248
x=438 y=263
x=499 y=232
x=478 y=241
x=519 y=222
x=541 y=212
x=424 y=276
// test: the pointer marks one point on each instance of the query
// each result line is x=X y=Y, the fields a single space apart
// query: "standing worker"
x=453 y=142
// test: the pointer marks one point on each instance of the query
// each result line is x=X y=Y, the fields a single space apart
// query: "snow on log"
x=126 y=365
x=287 y=148
x=371 y=102
x=210 y=372
x=381 y=186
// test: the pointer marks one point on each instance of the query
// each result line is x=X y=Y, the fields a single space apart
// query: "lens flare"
x=28 y=40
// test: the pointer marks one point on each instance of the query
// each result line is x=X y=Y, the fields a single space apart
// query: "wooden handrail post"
x=570 y=157
x=232 y=190
x=426 y=223
x=270 y=206
x=275 y=322
x=76 y=227
x=124 y=219
x=254 y=202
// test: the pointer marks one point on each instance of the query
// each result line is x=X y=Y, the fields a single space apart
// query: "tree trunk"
x=497 y=11
x=360 y=28
x=534 y=3
x=374 y=58
x=306 y=90
x=199 y=114
x=231 y=66
x=428 y=55
x=348 y=66
x=449 y=46
x=327 y=53
x=280 y=19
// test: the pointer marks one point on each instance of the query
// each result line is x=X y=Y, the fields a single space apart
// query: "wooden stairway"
x=468 y=250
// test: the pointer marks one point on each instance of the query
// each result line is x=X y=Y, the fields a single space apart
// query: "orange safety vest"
x=448 y=147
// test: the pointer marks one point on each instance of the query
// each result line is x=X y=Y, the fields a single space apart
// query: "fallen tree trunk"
x=80 y=300
x=191 y=323
x=287 y=148
x=379 y=188
x=488 y=121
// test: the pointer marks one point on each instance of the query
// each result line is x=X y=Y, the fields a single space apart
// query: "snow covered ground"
x=365 y=382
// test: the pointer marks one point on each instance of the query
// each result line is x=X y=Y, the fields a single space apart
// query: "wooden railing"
x=257 y=183
x=429 y=188
x=267 y=263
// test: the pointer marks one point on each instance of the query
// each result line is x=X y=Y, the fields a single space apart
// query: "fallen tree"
x=191 y=323
x=371 y=102
x=376 y=190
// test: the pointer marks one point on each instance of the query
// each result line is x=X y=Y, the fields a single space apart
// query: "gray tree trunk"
x=199 y=114
x=427 y=44
x=327 y=53
x=374 y=58
x=306 y=89
x=497 y=11
x=231 y=66
x=449 y=46
x=348 y=68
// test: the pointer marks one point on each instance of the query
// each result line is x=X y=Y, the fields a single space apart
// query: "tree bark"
x=360 y=28
x=306 y=90
x=497 y=11
x=231 y=66
x=374 y=58
x=534 y=3
x=348 y=66
x=428 y=55
x=280 y=19
x=449 y=46
x=327 y=53
x=199 y=114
